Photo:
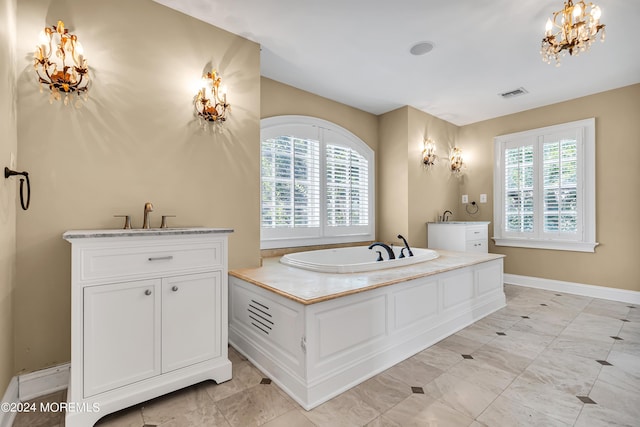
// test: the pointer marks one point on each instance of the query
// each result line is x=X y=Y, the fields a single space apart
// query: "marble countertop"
x=84 y=234
x=309 y=287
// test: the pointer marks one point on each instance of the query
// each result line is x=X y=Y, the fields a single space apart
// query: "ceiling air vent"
x=514 y=93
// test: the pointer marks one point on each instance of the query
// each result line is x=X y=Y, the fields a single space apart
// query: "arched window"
x=317 y=183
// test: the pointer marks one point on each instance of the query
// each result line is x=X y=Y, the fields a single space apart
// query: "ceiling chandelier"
x=60 y=64
x=576 y=27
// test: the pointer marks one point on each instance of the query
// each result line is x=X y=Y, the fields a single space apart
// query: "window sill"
x=298 y=242
x=555 y=245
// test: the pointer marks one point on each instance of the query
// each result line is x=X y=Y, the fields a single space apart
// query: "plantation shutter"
x=519 y=180
x=347 y=181
x=290 y=182
x=560 y=184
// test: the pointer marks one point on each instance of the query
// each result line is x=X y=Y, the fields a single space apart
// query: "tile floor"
x=547 y=359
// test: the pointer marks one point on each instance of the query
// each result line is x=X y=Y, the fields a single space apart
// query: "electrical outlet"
x=483 y=198
x=465 y=199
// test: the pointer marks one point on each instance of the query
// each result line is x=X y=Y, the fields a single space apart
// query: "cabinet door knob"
x=174 y=288
x=147 y=292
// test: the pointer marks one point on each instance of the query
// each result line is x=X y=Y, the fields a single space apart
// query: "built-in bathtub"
x=317 y=334
x=355 y=259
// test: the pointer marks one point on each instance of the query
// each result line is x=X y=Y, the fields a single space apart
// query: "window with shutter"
x=316 y=183
x=544 y=186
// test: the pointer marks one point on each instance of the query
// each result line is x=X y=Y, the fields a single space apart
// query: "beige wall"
x=615 y=261
x=134 y=141
x=392 y=176
x=410 y=194
x=278 y=99
x=435 y=190
x=8 y=145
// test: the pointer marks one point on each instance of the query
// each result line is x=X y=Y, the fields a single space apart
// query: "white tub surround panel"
x=148 y=316
x=317 y=334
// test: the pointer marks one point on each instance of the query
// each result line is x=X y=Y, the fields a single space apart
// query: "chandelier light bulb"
x=577 y=10
x=223 y=92
x=548 y=27
x=43 y=38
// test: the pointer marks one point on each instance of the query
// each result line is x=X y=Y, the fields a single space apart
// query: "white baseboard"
x=614 y=294
x=43 y=382
x=10 y=396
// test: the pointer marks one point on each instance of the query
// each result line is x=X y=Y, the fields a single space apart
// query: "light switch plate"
x=465 y=198
x=483 y=198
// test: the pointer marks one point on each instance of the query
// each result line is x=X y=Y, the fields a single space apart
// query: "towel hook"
x=7 y=173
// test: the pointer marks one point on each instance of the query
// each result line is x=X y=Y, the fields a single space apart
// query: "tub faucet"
x=148 y=207
x=444 y=216
x=406 y=246
x=386 y=247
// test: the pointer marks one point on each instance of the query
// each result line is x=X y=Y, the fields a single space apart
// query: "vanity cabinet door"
x=191 y=319
x=121 y=334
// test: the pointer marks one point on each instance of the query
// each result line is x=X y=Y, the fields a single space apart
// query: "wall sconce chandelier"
x=60 y=64
x=456 y=160
x=429 y=153
x=576 y=27
x=211 y=101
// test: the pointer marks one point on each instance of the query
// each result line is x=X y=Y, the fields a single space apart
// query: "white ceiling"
x=357 y=51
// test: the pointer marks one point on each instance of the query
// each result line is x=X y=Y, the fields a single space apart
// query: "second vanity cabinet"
x=149 y=316
x=460 y=236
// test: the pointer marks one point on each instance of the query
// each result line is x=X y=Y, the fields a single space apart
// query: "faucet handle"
x=127 y=221
x=163 y=224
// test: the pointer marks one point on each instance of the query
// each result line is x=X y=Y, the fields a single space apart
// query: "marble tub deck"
x=310 y=287
x=546 y=359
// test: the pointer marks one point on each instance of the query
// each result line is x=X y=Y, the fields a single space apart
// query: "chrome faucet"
x=444 y=216
x=406 y=246
x=148 y=207
x=386 y=247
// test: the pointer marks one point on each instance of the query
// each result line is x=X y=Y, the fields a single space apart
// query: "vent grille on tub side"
x=260 y=316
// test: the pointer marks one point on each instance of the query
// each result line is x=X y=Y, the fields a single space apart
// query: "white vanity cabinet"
x=121 y=334
x=148 y=316
x=460 y=236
